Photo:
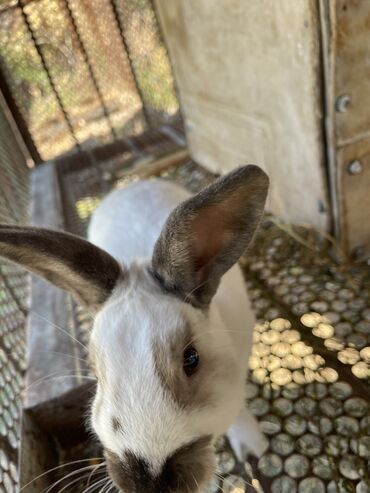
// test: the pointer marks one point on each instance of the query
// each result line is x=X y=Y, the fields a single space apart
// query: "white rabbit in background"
x=173 y=328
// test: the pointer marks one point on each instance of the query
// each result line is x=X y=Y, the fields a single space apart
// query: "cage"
x=89 y=105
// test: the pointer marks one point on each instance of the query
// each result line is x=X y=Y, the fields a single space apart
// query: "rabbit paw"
x=246 y=437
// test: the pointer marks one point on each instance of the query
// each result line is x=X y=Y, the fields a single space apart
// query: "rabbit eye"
x=191 y=361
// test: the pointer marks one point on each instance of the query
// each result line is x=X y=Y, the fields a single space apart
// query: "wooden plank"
x=355 y=197
x=352 y=123
x=143 y=168
x=51 y=349
x=37 y=455
x=249 y=81
x=345 y=49
x=352 y=69
x=65 y=416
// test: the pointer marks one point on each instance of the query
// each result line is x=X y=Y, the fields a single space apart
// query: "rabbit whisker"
x=63 y=354
x=73 y=473
x=196 y=482
x=59 y=328
x=52 y=376
x=244 y=481
x=82 y=478
x=60 y=467
x=188 y=295
x=97 y=485
x=109 y=487
x=94 y=471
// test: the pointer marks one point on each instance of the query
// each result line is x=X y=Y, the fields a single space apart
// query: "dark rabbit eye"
x=191 y=360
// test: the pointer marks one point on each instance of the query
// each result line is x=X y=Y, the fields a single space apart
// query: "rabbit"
x=173 y=324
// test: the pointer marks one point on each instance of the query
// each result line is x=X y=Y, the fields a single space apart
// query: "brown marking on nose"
x=190 y=467
x=187 y=469
x=131 y=474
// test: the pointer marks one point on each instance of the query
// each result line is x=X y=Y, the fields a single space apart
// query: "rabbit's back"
x=128 y=221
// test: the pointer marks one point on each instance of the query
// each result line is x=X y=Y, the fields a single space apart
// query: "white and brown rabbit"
x=173 y=326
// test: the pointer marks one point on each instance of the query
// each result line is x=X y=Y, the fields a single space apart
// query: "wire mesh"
x=84 y=72
x=13 y=300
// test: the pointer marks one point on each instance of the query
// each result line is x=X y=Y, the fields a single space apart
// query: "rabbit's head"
x=168 y=376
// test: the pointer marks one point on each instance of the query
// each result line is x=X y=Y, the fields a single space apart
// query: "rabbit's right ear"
x=205 y=235
x=71 y=263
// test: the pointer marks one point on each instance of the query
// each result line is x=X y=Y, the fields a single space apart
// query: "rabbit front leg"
x=245 y=436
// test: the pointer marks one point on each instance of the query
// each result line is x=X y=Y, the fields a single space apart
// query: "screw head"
x=358 y=253
x=189 y=126
x=342 y=103
x=355 y=167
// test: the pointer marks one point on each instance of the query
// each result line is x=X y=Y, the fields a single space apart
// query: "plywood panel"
x=249 y=84
x=355 y=197
x=48 y=337
x=352 y=69
x=346 y=49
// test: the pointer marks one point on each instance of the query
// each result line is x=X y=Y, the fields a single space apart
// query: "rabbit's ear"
x=67 y=261
x=205 y=235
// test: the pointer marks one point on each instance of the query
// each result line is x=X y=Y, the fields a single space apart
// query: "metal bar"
x=18 y=117
x=90 y=68
x=134 y=148
x=132 y=65
x=328 y=55
x=22 y=4
x=164 y=43
x=175 y=136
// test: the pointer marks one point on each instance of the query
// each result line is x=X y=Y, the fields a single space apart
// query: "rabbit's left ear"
x=69 y=262
x=205 y=235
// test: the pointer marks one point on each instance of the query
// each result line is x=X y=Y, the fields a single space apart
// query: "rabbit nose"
x=186 y=470
x=132 y=474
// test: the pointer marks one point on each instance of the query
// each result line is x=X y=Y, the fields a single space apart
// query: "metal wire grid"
x=13 y=299
x=81 y=73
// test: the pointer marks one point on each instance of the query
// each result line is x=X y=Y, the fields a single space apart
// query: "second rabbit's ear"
x=71 y=263
x=207 y=234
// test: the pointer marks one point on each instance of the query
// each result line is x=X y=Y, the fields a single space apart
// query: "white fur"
x=127 y=224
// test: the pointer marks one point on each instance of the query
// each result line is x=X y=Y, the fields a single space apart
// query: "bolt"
x=342 y=103
x=355 y=167
x=358 y=253
x=189 y=126
x=321 y=206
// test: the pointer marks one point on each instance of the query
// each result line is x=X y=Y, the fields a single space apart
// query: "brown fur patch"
x=184 y=471
x=186 y=391
x=66 y=260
